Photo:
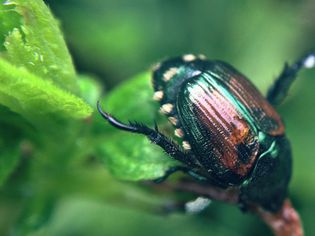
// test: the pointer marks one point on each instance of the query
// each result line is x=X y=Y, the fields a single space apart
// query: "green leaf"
x=12 y=129
x=90 y=89
x=39 y=67
x=38 y=44
x=30 y=96
x=133 y=99
x=9 y=157
x=9 y=19
x=131 y=156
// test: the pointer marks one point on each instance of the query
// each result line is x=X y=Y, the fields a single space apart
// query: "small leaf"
x=31 y=96
x=131 y=156
x=38 y=45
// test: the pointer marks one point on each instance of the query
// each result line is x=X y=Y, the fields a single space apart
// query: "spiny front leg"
x=153 y=135
x=281 y=86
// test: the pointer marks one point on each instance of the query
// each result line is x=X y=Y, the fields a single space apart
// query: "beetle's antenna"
x=114 y=122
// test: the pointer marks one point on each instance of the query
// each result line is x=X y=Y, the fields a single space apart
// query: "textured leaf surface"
x=132 y=100
x=29 y=95
x=37 y=78
x=38 y=45
x=132 y=157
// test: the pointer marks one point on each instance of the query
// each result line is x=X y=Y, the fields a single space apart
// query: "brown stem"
x=286 y=222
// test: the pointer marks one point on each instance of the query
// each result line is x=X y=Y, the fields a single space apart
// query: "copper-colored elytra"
x=232 y=162
x=243 y=169
x=222 y=120
x=252 y=99
x=240 y=131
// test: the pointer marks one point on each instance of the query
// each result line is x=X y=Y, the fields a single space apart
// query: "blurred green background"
x=113 y=40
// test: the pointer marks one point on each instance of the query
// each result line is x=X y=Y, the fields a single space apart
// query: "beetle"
x=231 y=135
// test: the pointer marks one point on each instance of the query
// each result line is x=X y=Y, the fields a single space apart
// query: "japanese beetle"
x=231 y=135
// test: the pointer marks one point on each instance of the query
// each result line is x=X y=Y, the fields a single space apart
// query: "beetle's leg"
x=267 y=185
x=279 y=89
x=172 y=170
x=153 y=135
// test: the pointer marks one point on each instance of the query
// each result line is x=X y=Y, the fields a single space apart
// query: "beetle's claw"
x=114 y=122
x=103 y=113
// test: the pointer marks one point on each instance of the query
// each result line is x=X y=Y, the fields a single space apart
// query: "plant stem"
x=285 y=222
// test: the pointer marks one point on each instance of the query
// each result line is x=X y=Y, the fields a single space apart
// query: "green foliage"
x=55 y=153
x=138 y=92
x=133 y=157
x=29 y=95
x=8 y=160
x=9 y=19
x=10 y=142
x=90 y=89
x=37 y=79
x=42 y=102
x=38 y=45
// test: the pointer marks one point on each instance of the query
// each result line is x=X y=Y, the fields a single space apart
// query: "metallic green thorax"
x=232 y=132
